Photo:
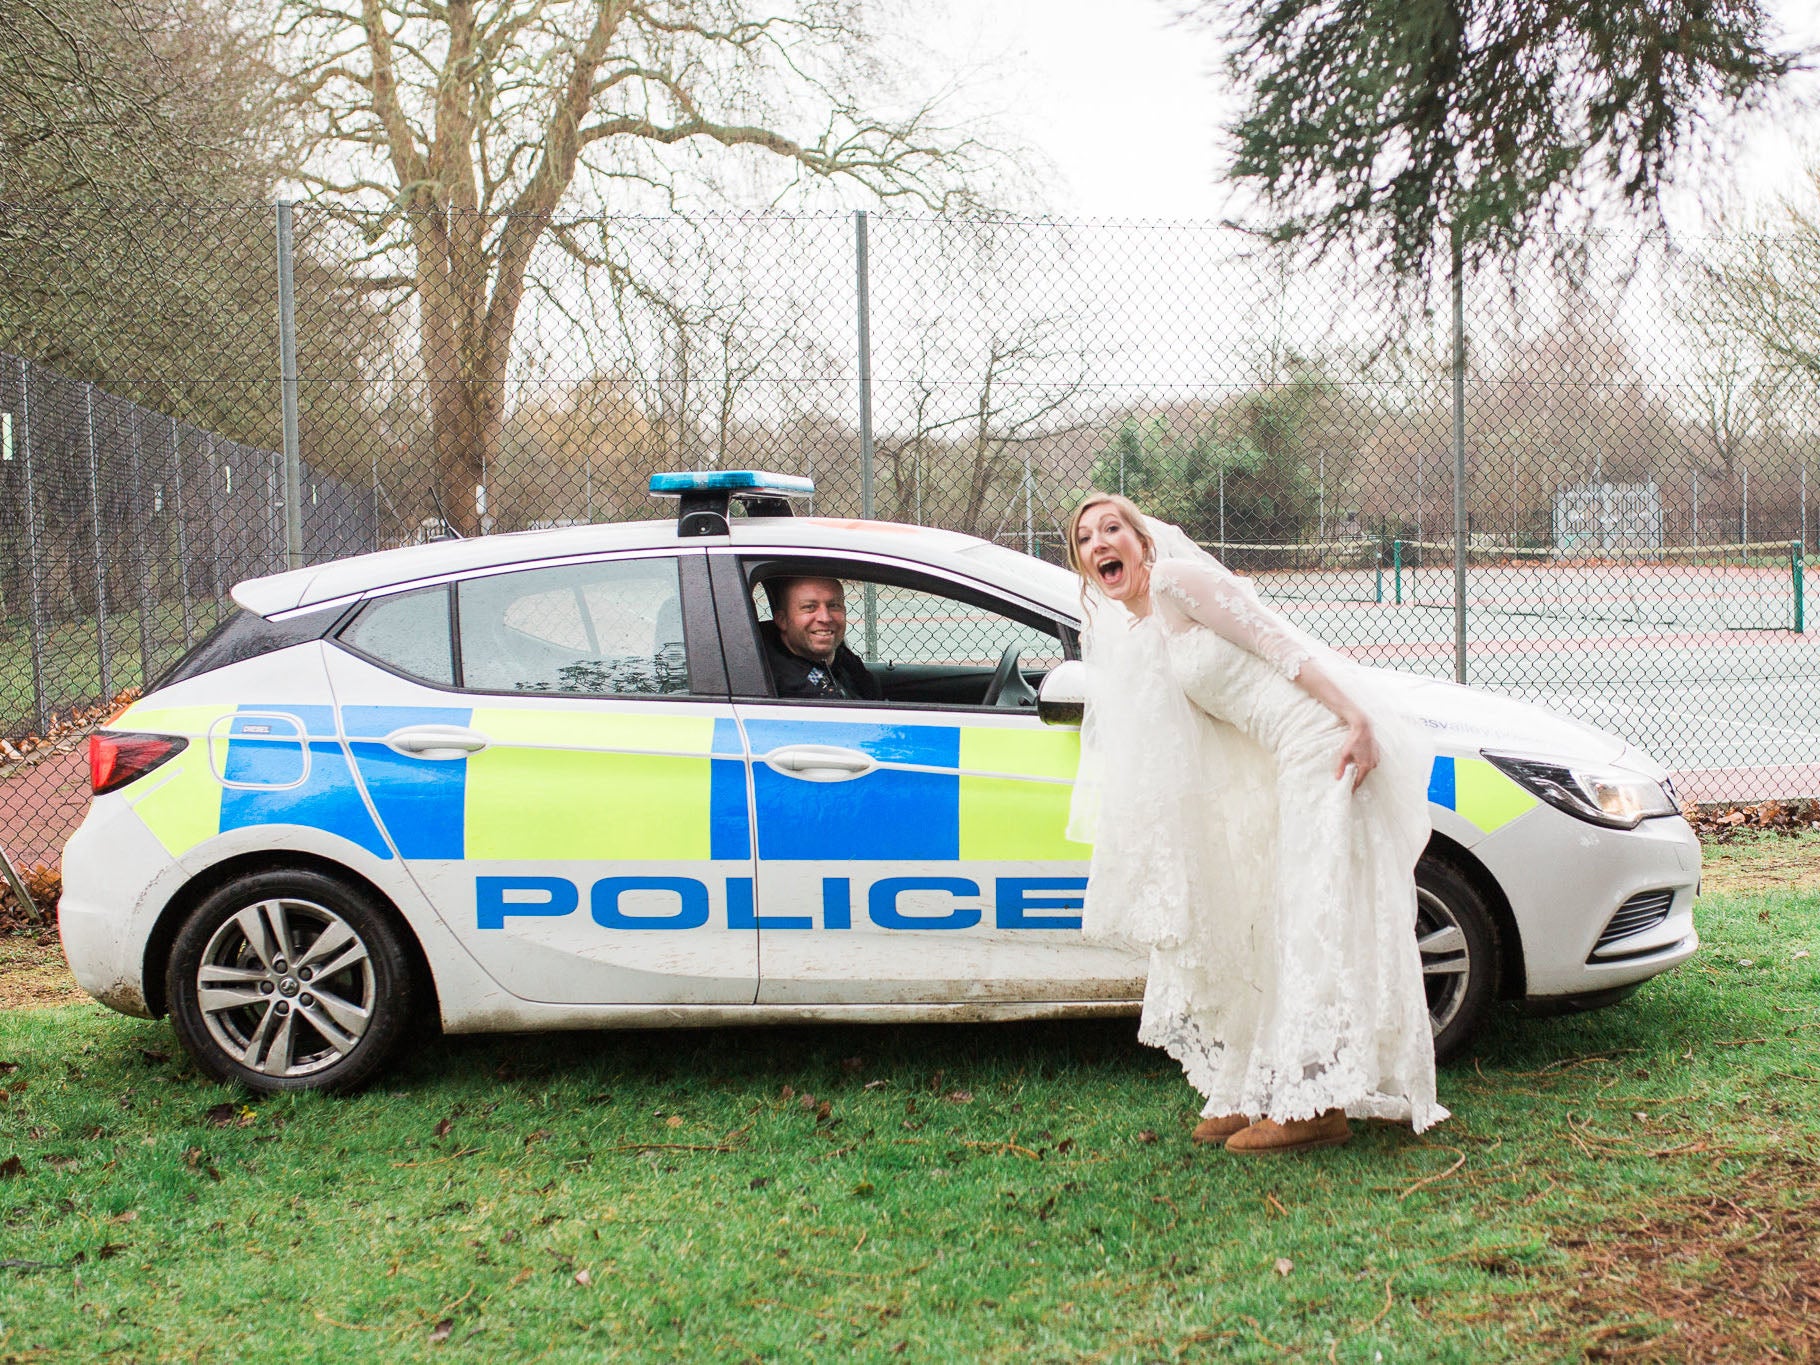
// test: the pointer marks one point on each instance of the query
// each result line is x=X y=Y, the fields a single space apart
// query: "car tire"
x=290 y=980
x=1461 y=954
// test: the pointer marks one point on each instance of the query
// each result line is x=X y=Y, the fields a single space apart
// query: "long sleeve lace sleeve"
x=1212 y=596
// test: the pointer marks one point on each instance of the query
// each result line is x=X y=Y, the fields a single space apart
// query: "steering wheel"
x=1009 y=686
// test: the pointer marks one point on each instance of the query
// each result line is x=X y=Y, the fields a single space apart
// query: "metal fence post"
x=1797 y=570
x=1396 y=567
x=183 y=537
x=862 y=271
x=1459 y=460
x=215 y=504
x=142 y=565
x=862 y=283
x=287 y=365
x=94 y=515
x=35 y=571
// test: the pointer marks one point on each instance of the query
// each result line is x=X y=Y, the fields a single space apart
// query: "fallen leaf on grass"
x=11 y=1168
x=758 y=1182
x=674 y=1121
x=229 y=1115
x=6 y=1067
x=442 y=1331
x=583 y=1279
x=960 y=1097
x=128 y=1216
x=111 y=1250
x=1146 y=1135
x=442 y=1130
x=1284 y=1265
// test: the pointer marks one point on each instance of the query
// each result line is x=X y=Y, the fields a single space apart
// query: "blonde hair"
x=1071 y=546
x=1125 y=508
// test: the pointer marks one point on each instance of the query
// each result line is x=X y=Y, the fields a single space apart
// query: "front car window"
x=599 y=629
x=925 y=644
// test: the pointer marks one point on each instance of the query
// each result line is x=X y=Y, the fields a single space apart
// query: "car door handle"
x=820 y=762
x=436 y=741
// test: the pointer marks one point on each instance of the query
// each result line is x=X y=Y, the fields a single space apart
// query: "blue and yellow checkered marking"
x=565 y=785
x=1477 y=791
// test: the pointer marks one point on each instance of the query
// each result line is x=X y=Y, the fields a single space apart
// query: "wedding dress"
x=1277 y=903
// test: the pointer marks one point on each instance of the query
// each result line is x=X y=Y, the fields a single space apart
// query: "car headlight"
x=1613 y=797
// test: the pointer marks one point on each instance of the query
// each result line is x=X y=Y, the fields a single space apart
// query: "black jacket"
x=846 y=676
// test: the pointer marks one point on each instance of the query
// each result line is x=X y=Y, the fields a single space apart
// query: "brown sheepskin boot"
x=1218 y=1128
x=1265 y=1138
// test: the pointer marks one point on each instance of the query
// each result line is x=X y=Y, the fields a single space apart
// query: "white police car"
x=544 y=781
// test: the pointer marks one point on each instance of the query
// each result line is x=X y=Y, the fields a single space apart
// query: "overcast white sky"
x=1125 y=104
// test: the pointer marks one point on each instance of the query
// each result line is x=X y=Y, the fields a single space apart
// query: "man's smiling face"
x=813 y=620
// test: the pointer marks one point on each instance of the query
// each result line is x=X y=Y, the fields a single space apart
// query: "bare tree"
x=488 y=128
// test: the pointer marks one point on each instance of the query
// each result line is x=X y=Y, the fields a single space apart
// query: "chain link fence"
x=1635 y=503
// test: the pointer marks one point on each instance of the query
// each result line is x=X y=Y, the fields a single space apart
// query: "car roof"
x=341 y=580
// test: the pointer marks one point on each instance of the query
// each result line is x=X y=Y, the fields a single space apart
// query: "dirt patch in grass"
x=1710 y=1277
x=1773 y=864
x=33 y=974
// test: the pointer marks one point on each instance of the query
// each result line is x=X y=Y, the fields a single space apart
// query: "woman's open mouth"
x=1111 y=572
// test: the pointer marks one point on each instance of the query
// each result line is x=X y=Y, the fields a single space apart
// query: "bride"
x=1256 y=805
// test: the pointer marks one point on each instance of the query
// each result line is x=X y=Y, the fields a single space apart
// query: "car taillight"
x=114 y=758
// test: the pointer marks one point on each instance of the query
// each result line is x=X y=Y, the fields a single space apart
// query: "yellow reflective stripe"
x=1485 y=796
x=180 y=803
x=580 y=729
x=1004 y=819
x=525 y=800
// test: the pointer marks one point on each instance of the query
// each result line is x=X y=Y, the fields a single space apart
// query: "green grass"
x=1020 y=1193
x=70 y=657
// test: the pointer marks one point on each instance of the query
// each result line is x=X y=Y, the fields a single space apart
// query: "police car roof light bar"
x=706 y=496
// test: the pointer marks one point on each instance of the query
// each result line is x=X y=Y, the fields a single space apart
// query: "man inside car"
x=805 y=642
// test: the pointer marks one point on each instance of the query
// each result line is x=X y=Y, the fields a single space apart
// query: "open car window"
x=925 y=645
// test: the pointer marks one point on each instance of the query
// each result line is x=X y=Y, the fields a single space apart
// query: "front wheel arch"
x=200 y=887
x=1462 y=907
x=1513 y=980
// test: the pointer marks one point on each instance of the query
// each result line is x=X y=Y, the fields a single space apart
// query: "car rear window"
x=601 y=629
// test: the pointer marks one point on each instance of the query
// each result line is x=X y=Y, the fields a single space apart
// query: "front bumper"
x=1565 y=879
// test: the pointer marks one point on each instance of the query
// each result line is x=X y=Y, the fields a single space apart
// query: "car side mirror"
x=1062 y=699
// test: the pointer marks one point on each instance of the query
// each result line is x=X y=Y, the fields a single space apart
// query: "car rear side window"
x=408 y=632
x=600 y=629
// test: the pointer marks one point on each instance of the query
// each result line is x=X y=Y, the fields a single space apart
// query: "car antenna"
x=448 y=531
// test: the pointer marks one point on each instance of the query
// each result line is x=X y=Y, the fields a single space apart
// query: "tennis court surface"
x=1694 y=656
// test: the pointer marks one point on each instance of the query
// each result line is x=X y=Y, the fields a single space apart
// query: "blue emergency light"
x=706 y=496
